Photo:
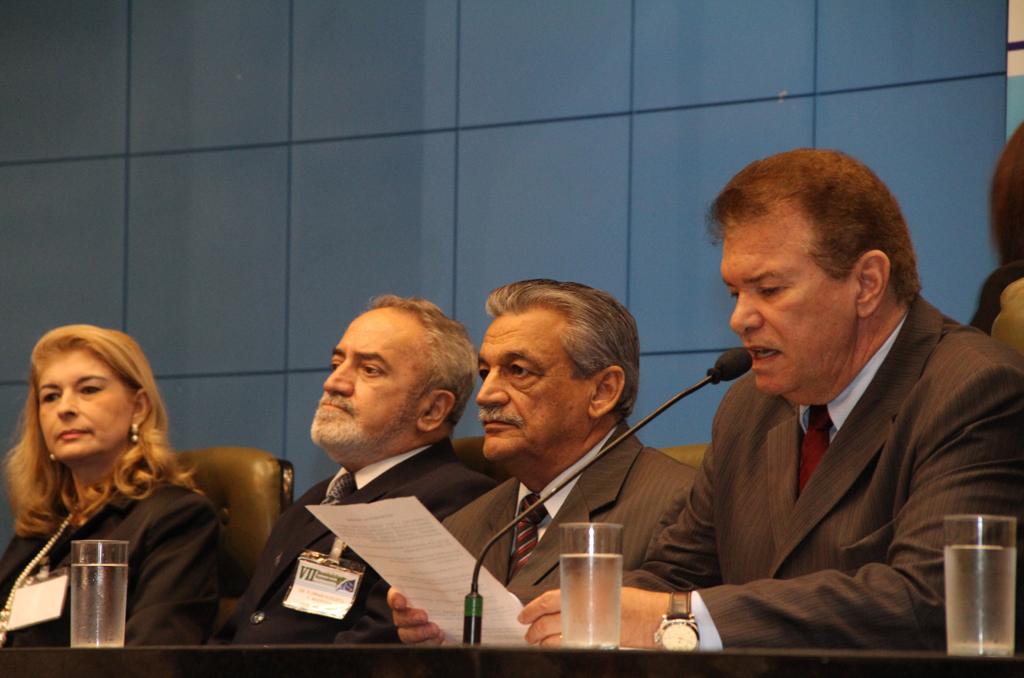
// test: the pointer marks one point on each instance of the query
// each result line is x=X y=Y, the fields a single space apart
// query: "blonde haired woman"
x=93 y=462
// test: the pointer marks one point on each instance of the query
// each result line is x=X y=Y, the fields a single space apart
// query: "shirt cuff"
x=710 y=641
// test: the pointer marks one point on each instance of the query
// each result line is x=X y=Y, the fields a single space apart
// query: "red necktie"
x=815 y=441
x=526 y=534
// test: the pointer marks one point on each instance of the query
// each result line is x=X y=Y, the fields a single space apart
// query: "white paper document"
x=413 y=552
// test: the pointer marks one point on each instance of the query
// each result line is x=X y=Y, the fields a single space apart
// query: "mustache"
x=342 y=404
x=494 y=414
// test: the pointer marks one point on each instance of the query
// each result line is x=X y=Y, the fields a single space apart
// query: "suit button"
x=257 y=617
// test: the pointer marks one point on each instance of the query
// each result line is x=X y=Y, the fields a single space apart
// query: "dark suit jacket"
x=172 y=568
x=856 y=560
x=632 y=485
x=435 y=476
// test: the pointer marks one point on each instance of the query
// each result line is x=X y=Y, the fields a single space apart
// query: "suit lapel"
x=851 y=450
x=598 y=487
x=545 y=555
x=307 y=530
x=304 y=531
x=504 y=509
x=313 y=530
x=782 y=446
x=864 y=433
x=17 y=556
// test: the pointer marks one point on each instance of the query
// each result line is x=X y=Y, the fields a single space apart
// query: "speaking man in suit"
x=560 y=366
x=816 y=518
x=400 y=379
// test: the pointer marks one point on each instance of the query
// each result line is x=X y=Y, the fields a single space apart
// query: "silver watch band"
x=679 y=605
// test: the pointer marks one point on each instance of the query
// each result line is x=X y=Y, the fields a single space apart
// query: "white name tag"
x=39 y=602
x=323 y=587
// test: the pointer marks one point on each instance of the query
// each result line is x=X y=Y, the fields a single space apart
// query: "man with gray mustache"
x=492 y=414
x=399 y=380
x=560 y=368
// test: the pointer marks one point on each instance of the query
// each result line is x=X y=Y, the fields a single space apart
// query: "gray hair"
x=600 y=332
x=452 y=360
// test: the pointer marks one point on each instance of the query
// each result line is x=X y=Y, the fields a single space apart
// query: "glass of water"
x=591 y=581
x=99 y=592
x=981 y=578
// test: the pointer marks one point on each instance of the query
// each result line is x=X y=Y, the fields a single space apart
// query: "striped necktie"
x=340 y=488
x=526 y=534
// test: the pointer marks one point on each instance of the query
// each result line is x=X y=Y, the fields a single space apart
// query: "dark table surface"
x=333 y=660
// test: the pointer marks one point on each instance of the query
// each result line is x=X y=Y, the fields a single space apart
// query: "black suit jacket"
x=172 y=568
x=435 y=476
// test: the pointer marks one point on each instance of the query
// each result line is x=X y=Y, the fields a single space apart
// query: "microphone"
x=731 y=364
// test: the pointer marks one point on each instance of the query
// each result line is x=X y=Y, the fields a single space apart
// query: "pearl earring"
x=134 y=436
x=53 y=458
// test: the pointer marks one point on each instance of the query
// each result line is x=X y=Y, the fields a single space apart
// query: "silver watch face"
x=679 y=634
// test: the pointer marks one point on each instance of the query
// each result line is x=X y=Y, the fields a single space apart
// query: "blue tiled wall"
x=230 y=182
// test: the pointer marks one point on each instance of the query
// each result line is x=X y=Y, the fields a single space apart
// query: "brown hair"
x=851 y=209
x=1007 y=200
x=600 y=331
x=42 y=492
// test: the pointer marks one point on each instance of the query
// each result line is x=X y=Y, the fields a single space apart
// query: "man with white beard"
x=400 y=379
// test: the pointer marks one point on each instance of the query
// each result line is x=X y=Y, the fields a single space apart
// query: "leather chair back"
x=470 y=452
x=691 y=454
x=249 y=488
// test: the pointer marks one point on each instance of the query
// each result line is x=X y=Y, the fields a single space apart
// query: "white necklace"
x=5 y=613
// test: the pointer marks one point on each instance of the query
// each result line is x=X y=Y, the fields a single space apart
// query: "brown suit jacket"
x=632 y=485
x=856 y=560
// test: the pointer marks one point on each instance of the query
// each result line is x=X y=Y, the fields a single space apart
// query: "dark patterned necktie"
x=815 y=441
x=340 y=488
x=526 y=534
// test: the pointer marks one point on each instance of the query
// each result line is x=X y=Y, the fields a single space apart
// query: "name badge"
x=39 y=602
x=324 y=585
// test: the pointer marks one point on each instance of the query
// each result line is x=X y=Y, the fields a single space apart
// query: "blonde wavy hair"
x=42 y=492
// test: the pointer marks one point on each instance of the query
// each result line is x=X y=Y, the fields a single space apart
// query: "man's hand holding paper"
x=414 y=553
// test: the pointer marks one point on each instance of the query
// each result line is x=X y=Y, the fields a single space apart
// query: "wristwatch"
x=678 y=629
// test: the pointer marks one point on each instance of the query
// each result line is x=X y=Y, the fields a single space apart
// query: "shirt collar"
x=841 y=406
x=554 y=504
x=371 y=472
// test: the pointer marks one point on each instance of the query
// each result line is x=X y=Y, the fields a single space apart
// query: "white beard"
x=343 y=439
